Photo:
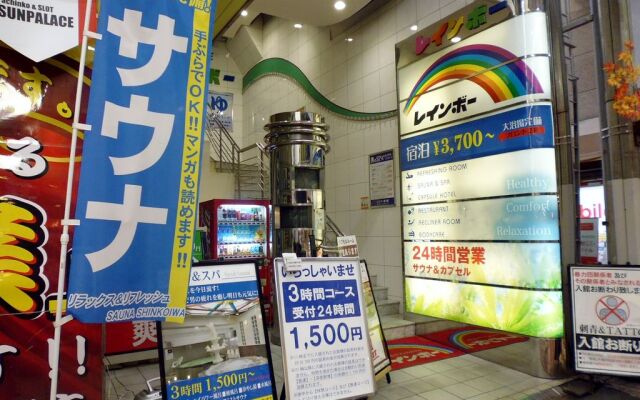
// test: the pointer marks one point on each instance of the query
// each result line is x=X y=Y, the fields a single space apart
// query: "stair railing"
x=250 y=181
x=230 y=157
x=330 y=246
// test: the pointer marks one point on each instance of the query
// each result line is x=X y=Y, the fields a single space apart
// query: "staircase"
x=250 y=165
x=390 y=311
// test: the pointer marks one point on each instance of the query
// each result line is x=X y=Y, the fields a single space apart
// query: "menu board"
x=324 y=331
x=478 y=178
x=382 y=184
x=221 y=350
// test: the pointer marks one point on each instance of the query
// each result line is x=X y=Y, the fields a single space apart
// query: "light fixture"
x=414 y=27
x=244 y=13
x=349 y=39
x=339 y=5
x=455 y=39
x=297 y=26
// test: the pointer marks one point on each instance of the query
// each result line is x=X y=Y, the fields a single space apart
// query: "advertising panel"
x=517 y=129
x=517 y=172
x=522 y=311
x=479 y=191
x=510 y=218
x=323 y=325
x=519 y=36
x=481 y=92
x=24 y=23
x=35 y=137
x=221 y=351
x=127 y=337
x=382 y=183
x=606 y=319
x=525 y=265
x=132 y=249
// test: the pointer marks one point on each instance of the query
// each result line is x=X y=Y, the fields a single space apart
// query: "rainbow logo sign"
x=419 y=347
x=459 y=338
x=505 y=80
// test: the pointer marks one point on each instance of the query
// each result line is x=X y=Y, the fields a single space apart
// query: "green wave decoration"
x=280 y=66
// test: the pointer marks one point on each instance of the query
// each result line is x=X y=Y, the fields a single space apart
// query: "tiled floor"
x=464 y=377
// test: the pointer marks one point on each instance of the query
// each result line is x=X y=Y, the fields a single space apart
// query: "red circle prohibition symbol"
x=612 y=310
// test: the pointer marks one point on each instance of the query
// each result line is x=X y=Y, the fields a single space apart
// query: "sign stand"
x=66 y=222
x=222 y=347
x=381 y=364
x=605 y=319
x=348 y=247
x=325 y=341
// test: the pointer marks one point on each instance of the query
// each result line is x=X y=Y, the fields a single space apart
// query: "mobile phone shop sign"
x=138 y=187
x=325 y=341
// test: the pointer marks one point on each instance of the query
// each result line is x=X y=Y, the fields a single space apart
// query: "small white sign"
x=223 y=104
x=588 y=240
x=347 y=246
x=324 y=334
x=291 y=262
x=606 y=319
x=40 y=29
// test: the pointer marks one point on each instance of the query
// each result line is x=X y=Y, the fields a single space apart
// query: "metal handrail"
x=223 y=144
x=334 y=227
x=230 y=156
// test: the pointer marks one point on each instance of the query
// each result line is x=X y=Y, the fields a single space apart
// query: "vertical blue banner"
x=138 y=189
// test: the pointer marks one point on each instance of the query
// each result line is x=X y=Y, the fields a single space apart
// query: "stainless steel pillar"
x=297 y=143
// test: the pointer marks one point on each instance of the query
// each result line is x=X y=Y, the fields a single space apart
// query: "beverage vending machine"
x=240 y=229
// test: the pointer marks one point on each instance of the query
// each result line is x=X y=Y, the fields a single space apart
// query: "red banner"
x=127 y=337
x=36 y=113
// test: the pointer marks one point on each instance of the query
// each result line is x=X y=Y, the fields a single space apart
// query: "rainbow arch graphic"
x=505 y=82
x=413 y=346
x=458 y=338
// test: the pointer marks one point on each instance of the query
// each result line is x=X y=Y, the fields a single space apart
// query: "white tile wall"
x=359 y=75
x=223 y=61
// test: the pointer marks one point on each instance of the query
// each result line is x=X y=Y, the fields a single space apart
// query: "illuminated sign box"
x=478 y=175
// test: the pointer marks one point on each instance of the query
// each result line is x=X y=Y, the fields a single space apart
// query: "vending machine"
x=237 y=228
x=240 y=229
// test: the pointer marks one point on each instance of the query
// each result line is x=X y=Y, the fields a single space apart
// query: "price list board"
x=323 y=325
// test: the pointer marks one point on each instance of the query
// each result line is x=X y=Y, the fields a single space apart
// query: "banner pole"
x=64 y=237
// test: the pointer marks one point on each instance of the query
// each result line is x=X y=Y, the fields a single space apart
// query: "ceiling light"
x=455 y=39
x=244 y=13
x=349 y=39
x=339 y=5
x=414 y=27
x=297 y=26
